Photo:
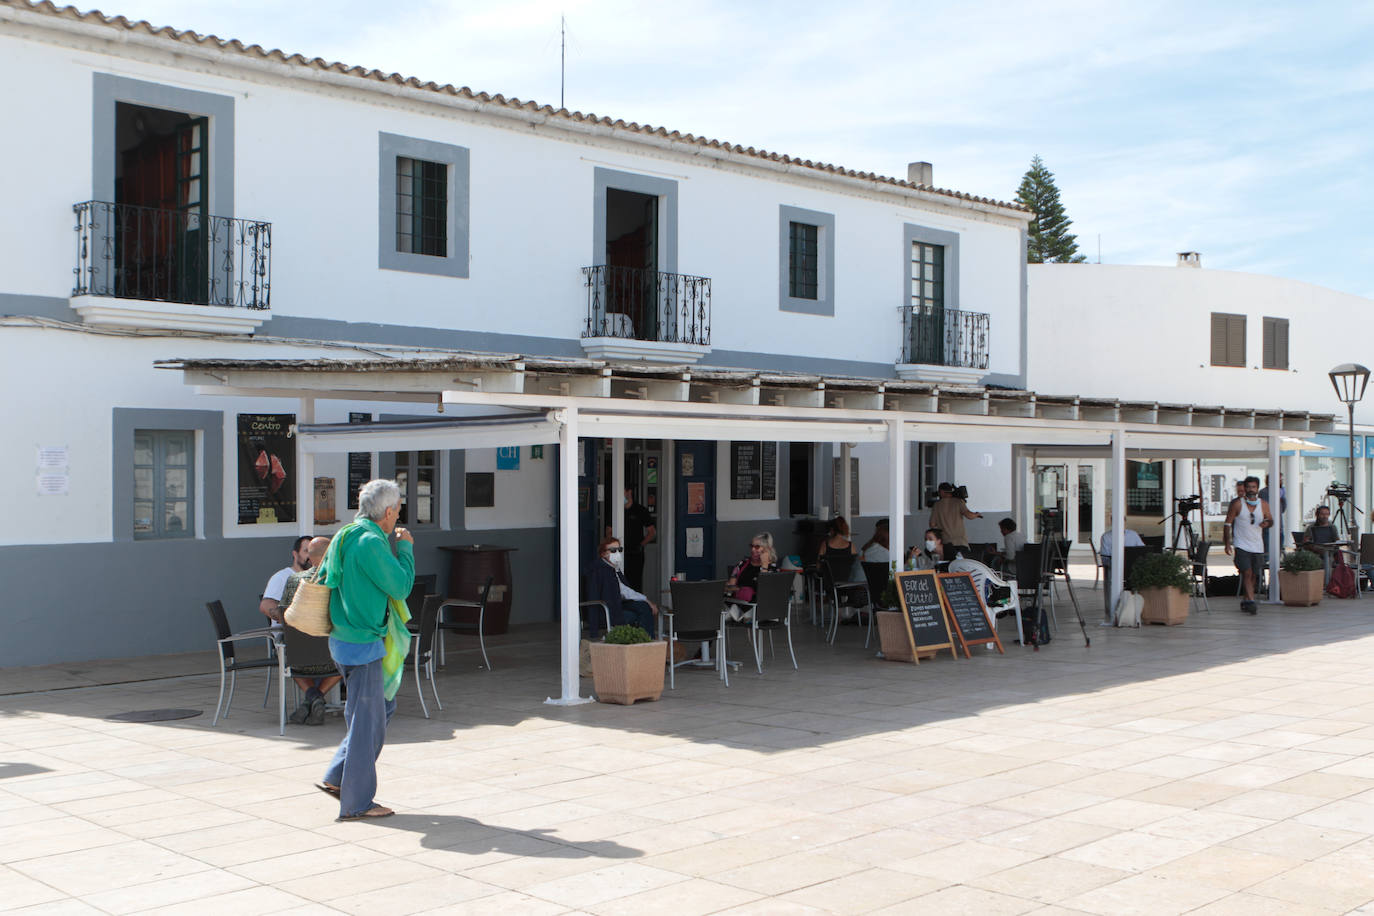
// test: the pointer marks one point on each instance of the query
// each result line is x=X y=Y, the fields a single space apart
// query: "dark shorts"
x=1251 y=561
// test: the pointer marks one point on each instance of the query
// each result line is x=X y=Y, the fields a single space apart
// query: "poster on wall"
x=267 y=468
x=508 y=458
x=835 y=483
x=746 y=472
x=696 y=498
x=359 y=463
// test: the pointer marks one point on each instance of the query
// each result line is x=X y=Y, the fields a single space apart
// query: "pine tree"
x=1049 y=240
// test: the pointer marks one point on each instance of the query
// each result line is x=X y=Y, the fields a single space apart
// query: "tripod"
x=1341 y=521
x=1053 y=563
x=1184 y=535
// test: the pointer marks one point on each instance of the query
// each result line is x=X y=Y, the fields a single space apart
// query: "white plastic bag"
x=1128 y=608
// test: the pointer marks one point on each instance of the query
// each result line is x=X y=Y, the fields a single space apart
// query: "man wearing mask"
x=606 y=582
x=639 y=531
x=1245 y=522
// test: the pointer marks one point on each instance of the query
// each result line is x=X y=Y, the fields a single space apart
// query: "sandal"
x=327 y=789
x=374 y=811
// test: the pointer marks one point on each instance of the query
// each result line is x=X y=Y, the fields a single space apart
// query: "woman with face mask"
x=929 y=555
x=606 y=582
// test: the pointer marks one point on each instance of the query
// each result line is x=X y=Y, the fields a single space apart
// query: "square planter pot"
x=1168 y=606
x=1301 y=589
x=623 y=674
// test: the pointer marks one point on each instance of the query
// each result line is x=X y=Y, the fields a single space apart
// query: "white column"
x=1169 y=504
x=1361 y=494
x=846 y=485
x=1017 y=485
x=1276 y=535
x=1292 y=484
x=568 y=445
x=1118 y=511
x=616 y=498
x=896 y=490
x=305 y=474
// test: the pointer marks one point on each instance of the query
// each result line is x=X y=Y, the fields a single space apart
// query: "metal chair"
x=301 y=650
x=587 y=615
x=770 y=610
x=835 y=572
x=876 y=575
x=1097 y=563
x=422 y=649
x=230 y=664
x=1199 y=573
x=695 y=616
x=982 y=575
x=472 y=622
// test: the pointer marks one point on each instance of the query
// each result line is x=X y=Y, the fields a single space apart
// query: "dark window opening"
x=421 y=207
x=803 y=260
x=799 y=478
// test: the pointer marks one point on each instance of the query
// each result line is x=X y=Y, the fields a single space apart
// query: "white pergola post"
x=1118 y=513
x=896 y=491
x=846 y=485
x=1018 y=484
x=1360 y=506
x=305 y=474
x=568 y=444
x=1276 y=534
x=616 y=497
x=1168 y=493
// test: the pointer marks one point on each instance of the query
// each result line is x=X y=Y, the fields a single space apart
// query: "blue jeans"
x=639 y=614
x=366 y=714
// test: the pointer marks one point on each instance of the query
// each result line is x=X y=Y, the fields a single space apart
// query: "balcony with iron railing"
x=142 y=266
x=943 y=344
x=653 y=315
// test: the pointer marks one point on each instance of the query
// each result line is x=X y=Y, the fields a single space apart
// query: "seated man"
x=1321 y=531
x=1012 y=542
x=314 y=680
x=606 y=582
x=271 y=605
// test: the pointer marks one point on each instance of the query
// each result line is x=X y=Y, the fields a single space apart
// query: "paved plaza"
x=1224 y=766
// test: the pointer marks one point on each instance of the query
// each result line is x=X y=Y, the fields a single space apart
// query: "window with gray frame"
x=423 y=201
x=417 y=474
x=1275 y=343
x=927 y=276
x=421 y=207
x=1228 y=340
x=803 y=260
x=164 y=486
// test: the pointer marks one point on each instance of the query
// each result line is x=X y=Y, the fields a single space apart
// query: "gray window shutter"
x=1235 y=340
x=1269 y=356
x=1281 y=343
x=1218 y=339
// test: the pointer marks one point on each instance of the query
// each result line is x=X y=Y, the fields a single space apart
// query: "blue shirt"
x=356 y=653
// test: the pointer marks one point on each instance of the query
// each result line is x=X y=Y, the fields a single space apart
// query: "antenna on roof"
x=562 y=57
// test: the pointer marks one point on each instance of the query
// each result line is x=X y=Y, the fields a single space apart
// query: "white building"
x=1191 y=335
x=194 y=198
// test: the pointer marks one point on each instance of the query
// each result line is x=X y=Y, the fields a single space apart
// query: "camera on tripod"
x=933 y=494
x=1188 y=504
x=1340 y=491
x=1051 y=521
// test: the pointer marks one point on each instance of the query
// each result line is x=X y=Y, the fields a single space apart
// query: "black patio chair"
x=421 y=655
x=695 y=616
x=231 y=664
x=472 y=619
x=770 y=610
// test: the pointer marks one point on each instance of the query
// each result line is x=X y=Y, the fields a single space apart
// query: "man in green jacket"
x=364 y=576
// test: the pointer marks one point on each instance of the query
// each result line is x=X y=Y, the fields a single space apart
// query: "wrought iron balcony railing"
x=638 y=304
x=133 y=252
x=945 y=337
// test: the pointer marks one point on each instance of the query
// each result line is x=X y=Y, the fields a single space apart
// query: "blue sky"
x=1241 y=131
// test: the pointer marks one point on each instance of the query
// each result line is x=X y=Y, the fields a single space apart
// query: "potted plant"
x=1301 y=578
x=1165 y=582
x=628 y=666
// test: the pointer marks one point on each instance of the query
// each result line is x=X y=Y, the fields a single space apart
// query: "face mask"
x=1252 y=500
x=930 y=545
x=617 y=558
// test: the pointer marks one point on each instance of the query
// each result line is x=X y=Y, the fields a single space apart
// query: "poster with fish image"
x=267 y=468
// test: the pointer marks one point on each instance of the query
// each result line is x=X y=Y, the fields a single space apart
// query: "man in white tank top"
x=1246 y=522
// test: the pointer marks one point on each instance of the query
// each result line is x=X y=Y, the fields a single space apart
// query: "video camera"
x=1340 y=491
x=1051 y=521
x=1188 y=504
x=933 y=494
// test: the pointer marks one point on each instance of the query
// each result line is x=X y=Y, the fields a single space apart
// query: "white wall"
x=1145 y=333
x=523 y=497
x=306 y=159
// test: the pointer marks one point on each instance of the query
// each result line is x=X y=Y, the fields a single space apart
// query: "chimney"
x=1189 y=259
x=919 y=173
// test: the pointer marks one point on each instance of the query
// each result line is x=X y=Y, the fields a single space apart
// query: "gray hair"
x=377 y=496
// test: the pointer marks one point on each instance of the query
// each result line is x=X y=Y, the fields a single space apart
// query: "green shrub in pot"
x=627 y=635
x=1163 y=570
x=1296 y=561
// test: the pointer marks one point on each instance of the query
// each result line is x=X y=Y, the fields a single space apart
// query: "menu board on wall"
x=746 y=470
x=770 y=470
x=267 y=468
x=359 y=463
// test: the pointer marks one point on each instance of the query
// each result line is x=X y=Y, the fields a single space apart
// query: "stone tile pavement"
x=1225 y=766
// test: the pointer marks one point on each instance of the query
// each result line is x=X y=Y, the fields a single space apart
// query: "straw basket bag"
x=309 y=610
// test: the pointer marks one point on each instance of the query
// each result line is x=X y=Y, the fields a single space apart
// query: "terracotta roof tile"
x=254 y=50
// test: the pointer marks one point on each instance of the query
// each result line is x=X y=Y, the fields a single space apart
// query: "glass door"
x=1084 y=534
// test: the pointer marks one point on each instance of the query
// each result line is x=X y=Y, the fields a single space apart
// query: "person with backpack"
x=1243 y=536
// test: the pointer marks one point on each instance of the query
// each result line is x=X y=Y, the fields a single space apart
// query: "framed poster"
x=746 y=470
x=696 y=498
x=267 y=468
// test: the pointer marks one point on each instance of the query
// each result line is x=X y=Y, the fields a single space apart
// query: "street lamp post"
x=1349 y=380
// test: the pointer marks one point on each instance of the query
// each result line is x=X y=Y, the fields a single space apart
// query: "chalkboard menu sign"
x=967 y=611
x=923 y=611
x=359 y=463
x=746 y=470
x=770 y=470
